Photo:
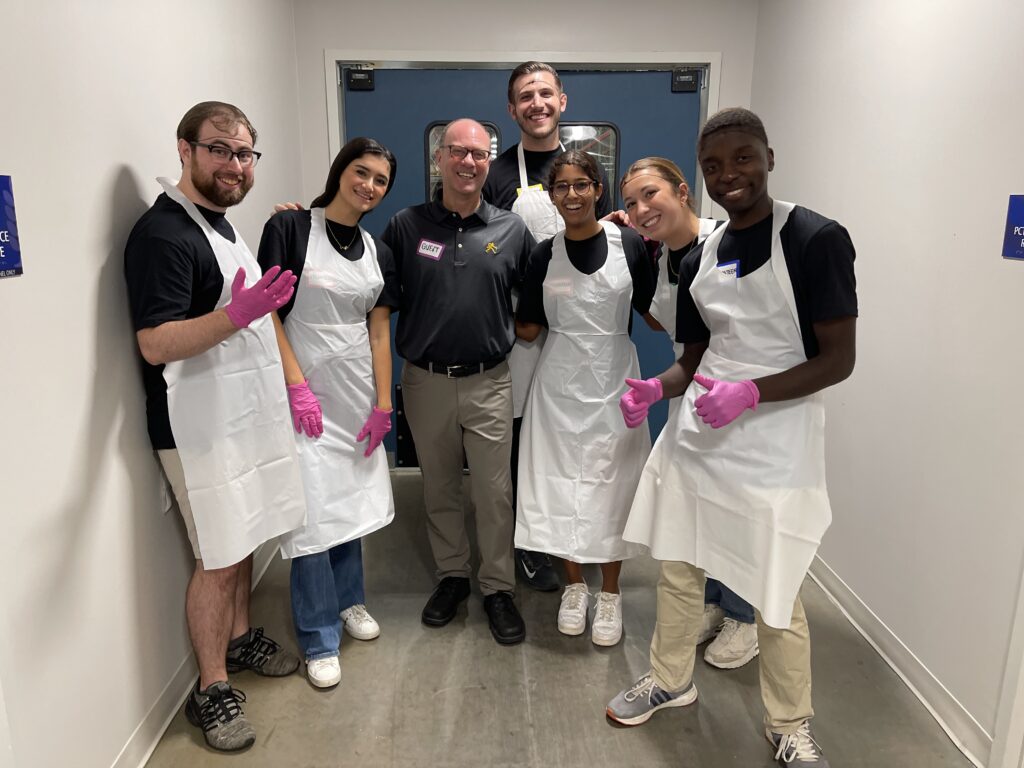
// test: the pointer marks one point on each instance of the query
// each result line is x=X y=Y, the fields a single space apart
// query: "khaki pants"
x=785 y=658
x=447 y=416
x=171 y=463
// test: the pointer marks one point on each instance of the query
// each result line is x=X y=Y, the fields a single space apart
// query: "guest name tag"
x=430 y=249
x=729 y=269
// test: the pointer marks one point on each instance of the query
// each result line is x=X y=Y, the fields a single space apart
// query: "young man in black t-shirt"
x=767 y=312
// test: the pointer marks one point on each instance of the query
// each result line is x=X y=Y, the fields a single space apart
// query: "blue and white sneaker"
x=636 y=704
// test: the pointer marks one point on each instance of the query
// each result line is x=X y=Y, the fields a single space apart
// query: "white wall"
x=903 y=120
x=466 y=26
x=92 y=573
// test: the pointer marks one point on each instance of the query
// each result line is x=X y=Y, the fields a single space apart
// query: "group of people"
x=269 y=379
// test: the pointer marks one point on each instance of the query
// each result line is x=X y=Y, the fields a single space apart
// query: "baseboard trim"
x=147 y=735
x=963 y=730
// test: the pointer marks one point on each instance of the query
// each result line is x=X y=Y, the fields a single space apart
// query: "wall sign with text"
x=10 y=248
x=1013 y=243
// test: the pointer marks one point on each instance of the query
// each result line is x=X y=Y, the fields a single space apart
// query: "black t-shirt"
x=172 y=274
x=587 y=256
x=819 y=257
x=286 y=237
x=503 y=178
x=456 y=276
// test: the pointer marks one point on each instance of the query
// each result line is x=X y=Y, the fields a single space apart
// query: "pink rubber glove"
x=638 y=400
x=306 y=411
x=377 y=426
x=724 y=400
x=268 y=294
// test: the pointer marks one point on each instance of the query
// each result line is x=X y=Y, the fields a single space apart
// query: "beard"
x=206 y=185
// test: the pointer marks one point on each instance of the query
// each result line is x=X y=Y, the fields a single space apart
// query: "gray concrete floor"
x=453 y=698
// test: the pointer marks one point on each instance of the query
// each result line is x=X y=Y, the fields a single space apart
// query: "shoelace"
x=798 y=745
x=259 y=648
x=319 y=664
x=358 y=614
x=220 y=709
x=729 y=628
x=502 y=603
x=640 y=689
x=605 y=610
x=577 y=593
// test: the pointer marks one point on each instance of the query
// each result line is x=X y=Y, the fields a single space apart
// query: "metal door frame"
x=626 y=61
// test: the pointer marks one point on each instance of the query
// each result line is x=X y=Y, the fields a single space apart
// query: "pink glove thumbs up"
x=724 y=401
x=638 y=400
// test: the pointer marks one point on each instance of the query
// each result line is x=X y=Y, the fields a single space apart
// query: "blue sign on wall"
x=10 y=247
x=1013 y=243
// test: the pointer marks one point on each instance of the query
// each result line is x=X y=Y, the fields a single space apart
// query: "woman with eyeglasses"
x=336 y=350
x=578 y=464
x=657 y=202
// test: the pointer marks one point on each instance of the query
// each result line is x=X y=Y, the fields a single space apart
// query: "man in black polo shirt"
x=517 y=182
x=458 y=260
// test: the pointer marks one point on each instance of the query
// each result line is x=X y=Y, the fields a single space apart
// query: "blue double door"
x=648 y=119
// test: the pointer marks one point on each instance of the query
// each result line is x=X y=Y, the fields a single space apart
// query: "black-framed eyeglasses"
x=561 y=188
x=223 y=154
x=459 y=153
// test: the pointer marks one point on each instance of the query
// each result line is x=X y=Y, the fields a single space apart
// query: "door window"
x=601 y=140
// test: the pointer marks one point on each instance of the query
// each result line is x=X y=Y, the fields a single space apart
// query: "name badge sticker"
x=430 y=249
x=729 y=268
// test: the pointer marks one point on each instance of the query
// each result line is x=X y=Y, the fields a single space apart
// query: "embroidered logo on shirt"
x=491 y=248
x=430 y=249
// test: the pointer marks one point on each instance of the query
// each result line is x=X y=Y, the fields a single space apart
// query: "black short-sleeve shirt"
x=286 y=237
x=502 y=183
x=172 y=274
x=456 y=277
x=587 y=256
x=819 y=256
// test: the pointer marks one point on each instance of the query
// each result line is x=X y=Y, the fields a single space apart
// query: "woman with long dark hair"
x=336 y=350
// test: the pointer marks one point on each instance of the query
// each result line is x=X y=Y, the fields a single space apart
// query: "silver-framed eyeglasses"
x=561 y=188
x=459 y=153
x=224 y=154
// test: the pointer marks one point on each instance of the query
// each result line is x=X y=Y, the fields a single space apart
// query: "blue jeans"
x=734 y=606
x=324 y=585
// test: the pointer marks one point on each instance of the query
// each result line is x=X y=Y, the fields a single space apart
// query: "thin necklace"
x=668 y=256
x=334 y=239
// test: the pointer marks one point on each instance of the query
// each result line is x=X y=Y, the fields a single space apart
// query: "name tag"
x=729 y=269
x=430 y=249
x=538 y=187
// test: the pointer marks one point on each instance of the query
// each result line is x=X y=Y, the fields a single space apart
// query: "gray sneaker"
x=218 y=711
x=637 y=703
x=262 y=655
x=797 y=749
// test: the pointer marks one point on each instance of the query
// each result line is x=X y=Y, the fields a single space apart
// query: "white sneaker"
x=735 y=645
x=711 y=623
x=572 y=613
x=360 y=624
x=607 y=629
x=324 y=673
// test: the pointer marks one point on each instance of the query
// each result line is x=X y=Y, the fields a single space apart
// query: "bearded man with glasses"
x=458 y=260
x=216 y=404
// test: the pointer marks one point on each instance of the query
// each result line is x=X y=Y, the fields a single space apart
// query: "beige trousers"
x=171 y=463
x=785 y=657
x=471 y=414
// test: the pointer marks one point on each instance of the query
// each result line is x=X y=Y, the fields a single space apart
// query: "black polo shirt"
x=456 y=277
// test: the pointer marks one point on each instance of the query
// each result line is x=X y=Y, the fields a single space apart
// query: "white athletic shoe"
x=572 y=613
x=360 y=624
x=735 y=645
x=607 y=629
x=711 y=623
x=324 y=673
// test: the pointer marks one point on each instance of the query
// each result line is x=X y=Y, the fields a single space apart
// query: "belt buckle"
x=448 y=369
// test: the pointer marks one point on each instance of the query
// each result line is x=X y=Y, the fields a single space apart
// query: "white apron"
x=543 y=220
x=229 y=415
x=578 y=463
x=348 y=495
x=747 y=502
x=663 y=306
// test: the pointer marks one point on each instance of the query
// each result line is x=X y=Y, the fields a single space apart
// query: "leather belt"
x=458 y=371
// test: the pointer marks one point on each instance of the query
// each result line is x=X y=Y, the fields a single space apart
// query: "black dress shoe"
x=507 y=625
x=442 y=605
x=536 y=571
